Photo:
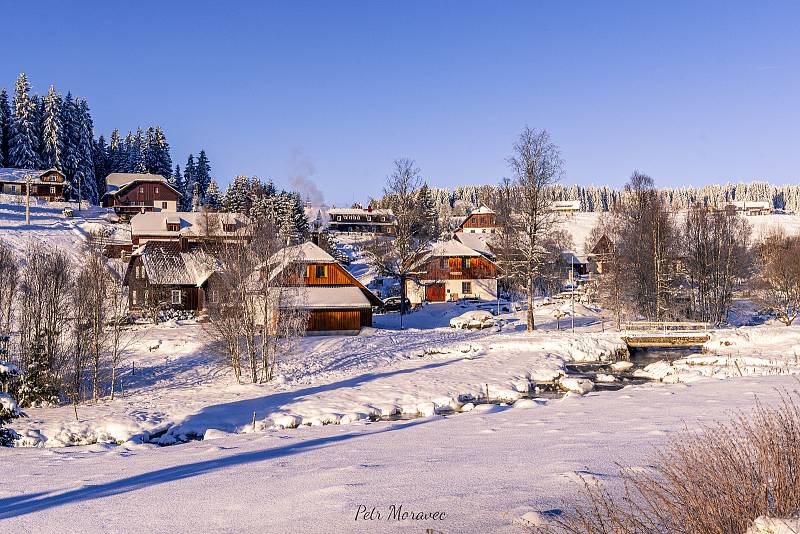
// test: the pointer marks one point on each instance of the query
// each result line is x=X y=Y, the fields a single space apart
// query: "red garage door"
x=434 y=293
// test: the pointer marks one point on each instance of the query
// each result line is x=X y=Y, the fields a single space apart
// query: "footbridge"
x=644 y=334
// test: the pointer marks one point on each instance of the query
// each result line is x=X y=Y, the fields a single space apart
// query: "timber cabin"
x=368 y=221
x=566 y=206
x=161 y=275
x=453 y=271
x=189 y=229
x=132 y=193
x=479 y=221
x=47 y=185
x=337 y=303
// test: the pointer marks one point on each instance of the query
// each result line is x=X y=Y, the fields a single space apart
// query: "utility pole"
x=572 y=276
x=27 y=198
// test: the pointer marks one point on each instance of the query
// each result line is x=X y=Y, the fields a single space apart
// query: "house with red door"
x=452 y=271
x=132 y=193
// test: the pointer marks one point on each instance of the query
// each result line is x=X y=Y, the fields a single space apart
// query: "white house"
x=452 y=271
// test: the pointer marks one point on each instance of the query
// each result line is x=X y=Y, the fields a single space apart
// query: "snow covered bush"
x=8 y=411
x=717 y=480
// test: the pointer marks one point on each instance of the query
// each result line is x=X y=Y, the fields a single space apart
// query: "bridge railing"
x=673 y=327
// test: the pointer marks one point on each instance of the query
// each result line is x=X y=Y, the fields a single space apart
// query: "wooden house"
x=751 y=207
x=189 y=229
x=482 y=220
x=161 y=275
x=45 y=184
x=337 y=303
x=369 y=221
x=453 y=271
x=600 y=254
x=566 y=206
x=132 y=193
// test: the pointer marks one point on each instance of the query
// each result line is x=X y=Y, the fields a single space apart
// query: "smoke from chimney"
x=301 y=171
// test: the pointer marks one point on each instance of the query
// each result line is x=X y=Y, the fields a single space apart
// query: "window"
x=52 y=190
x=441 y=262
x=467 y=262
x=466 y=288
x=163 y=204
x=214 y=295
x=13 y=188
x=141 y=189
x=155 y=190
x=322 y=271
x=139 y=272
x=338 y=217
x=176 y=296
x=134 y=297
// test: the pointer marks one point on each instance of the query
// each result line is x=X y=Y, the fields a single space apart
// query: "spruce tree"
x=38 y=117
x=22 y=146
x=149 y=150
x=203 y=173
x=100 y=156
x=84 y=173
x=128 y=157
x=69 y=141
x=136 y=156
x=115 y=163
x=52 y=134
x=189 y=180
x=212 y=196
x=162 y=160
x=5 y=128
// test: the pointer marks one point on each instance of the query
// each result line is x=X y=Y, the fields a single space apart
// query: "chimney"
x=315 y=238
x=369 y=208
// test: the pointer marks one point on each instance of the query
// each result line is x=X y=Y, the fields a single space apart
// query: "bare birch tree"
x=536 y=165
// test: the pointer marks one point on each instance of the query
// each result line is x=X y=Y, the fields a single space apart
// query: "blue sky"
x=689 y=92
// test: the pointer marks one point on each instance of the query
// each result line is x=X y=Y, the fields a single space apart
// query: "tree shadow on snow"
x=35 y=502
x=231 y=415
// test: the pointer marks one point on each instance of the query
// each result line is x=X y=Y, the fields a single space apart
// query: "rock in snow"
x=576 y=385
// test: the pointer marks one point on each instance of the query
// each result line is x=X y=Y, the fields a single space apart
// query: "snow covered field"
x=483 y=470
x=438 y=446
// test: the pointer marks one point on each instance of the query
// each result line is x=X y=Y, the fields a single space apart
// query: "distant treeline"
x=460 y=200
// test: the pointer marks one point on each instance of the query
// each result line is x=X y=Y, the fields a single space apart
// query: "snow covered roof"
x=452 y=248
x=320 y=297
x=218 y=224
x=563 y=205
x=8 y=174
x=483 y=210
x=165 y=264
x=477 y=242
x=752 y=204
x=118 y=179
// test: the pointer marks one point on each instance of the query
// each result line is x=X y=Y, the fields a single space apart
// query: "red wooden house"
x=132 y=193
x=479 y=221
x=336 y=301
x=452 y=271
x=47 y=185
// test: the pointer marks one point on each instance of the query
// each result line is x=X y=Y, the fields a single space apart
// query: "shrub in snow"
x=714 y=481
x=8 y=411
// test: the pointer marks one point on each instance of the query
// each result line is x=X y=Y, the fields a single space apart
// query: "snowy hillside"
x=49 y=225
